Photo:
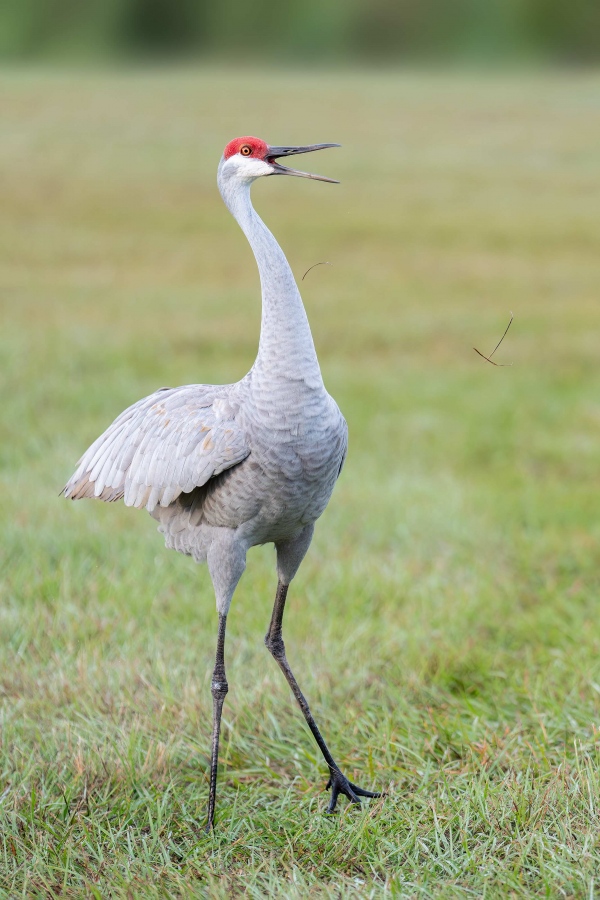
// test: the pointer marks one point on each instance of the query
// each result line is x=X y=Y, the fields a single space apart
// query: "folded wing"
x=164 y=445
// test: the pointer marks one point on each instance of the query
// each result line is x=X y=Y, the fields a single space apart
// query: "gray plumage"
x=224 y=468
x=257 y=459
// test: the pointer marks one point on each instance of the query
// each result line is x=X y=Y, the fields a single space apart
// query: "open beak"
x=278 y=152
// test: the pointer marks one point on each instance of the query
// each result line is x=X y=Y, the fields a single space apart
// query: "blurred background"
x=328 y=32
x=445 y=622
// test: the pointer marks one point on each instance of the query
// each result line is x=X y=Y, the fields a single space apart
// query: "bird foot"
x=339 y=784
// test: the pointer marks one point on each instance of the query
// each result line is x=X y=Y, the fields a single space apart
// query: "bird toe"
x=339 y=784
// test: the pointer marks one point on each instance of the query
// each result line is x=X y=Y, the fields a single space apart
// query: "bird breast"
x=286 y=481
x=284 y=484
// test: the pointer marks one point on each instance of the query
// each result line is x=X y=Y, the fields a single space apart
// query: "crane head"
x=249 y=158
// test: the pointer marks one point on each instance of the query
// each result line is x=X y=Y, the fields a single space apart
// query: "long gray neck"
x=286 y=350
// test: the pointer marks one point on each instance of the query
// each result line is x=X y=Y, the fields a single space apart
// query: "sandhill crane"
x=223 y=468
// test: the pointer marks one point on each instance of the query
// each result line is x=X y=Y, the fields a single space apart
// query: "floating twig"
x=489 y=358
x=314 y=267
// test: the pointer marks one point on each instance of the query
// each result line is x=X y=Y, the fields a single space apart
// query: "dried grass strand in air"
x=314 y=267
x=489 y=358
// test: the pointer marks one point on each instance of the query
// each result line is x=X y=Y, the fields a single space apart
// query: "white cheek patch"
x=247 y=167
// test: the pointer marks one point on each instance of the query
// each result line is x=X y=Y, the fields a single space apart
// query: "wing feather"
x=168 y=443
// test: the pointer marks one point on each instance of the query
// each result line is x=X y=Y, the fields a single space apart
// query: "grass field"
x=445 y=623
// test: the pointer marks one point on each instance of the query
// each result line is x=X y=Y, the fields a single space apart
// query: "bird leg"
x=338 y=782
x=219 y=688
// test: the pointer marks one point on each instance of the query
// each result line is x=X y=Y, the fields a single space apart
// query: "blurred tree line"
x=296 y=30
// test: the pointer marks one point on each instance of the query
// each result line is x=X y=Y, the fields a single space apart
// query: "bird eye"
x=246 y=150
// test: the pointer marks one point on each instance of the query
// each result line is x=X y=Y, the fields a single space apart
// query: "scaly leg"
x=226 y=559
x=338 y=782
x=219 y=688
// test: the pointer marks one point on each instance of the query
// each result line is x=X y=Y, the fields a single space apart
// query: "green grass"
x=445 y=623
